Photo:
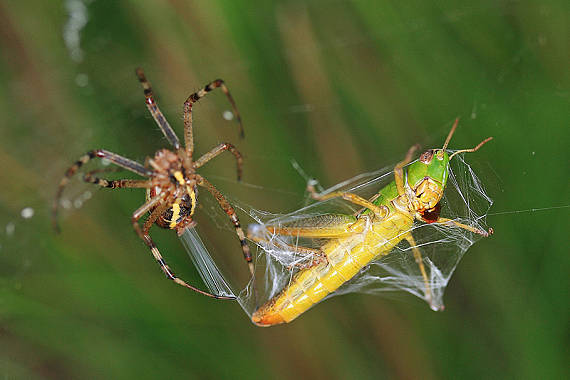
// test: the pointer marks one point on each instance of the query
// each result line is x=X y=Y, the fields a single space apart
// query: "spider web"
x=441 y=246
x=308 y=106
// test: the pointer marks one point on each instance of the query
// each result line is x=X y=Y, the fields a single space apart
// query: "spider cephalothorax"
x=171 y=180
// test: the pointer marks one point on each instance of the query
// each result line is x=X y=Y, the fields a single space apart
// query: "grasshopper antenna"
x=448 y=139
x=472 y=149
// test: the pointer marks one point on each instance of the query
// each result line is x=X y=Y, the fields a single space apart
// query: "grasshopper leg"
x=380 y=211
x=419 y=261
x=319 y=227
x=465 y=227
x=398 y=169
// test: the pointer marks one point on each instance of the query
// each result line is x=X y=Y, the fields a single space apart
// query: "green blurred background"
x=342 y=87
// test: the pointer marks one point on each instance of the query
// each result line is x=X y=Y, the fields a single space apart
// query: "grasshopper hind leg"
x=420 y=262
x=328 y=226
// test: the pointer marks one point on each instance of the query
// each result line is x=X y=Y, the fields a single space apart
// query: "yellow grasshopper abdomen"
x=346 y=257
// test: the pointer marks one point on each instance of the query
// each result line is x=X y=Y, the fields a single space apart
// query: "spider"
x=170 y=180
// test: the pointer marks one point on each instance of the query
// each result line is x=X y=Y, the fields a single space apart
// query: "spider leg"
x=230 y=212
x=144 y=235
x=188 y=132
x=155 y=214
x=155 y=111
x=123 y=162
x=216 y=151
x=89 y=177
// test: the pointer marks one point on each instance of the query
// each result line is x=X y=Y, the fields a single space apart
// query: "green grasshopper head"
x=427 y=177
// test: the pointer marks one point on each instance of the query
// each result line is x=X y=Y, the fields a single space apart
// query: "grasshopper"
x=351 y=242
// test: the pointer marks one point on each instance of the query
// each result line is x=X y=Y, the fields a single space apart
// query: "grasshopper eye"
x=439 y=154
x=426 y=156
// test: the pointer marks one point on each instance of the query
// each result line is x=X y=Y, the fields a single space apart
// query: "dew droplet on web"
x=10 y=229
x=228 y=115
x=27 y=212
x=81 y=80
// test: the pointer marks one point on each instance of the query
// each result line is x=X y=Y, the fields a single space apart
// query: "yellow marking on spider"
x=179 y=177
x=193 y=199
x=175 y=213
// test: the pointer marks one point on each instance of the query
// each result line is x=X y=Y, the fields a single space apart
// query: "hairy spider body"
x=171 y=180
x=171 y=176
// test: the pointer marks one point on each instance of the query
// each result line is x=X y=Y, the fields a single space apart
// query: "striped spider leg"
x=170 y=180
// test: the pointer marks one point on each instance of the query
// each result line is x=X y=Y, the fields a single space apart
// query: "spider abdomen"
x=181 y=209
